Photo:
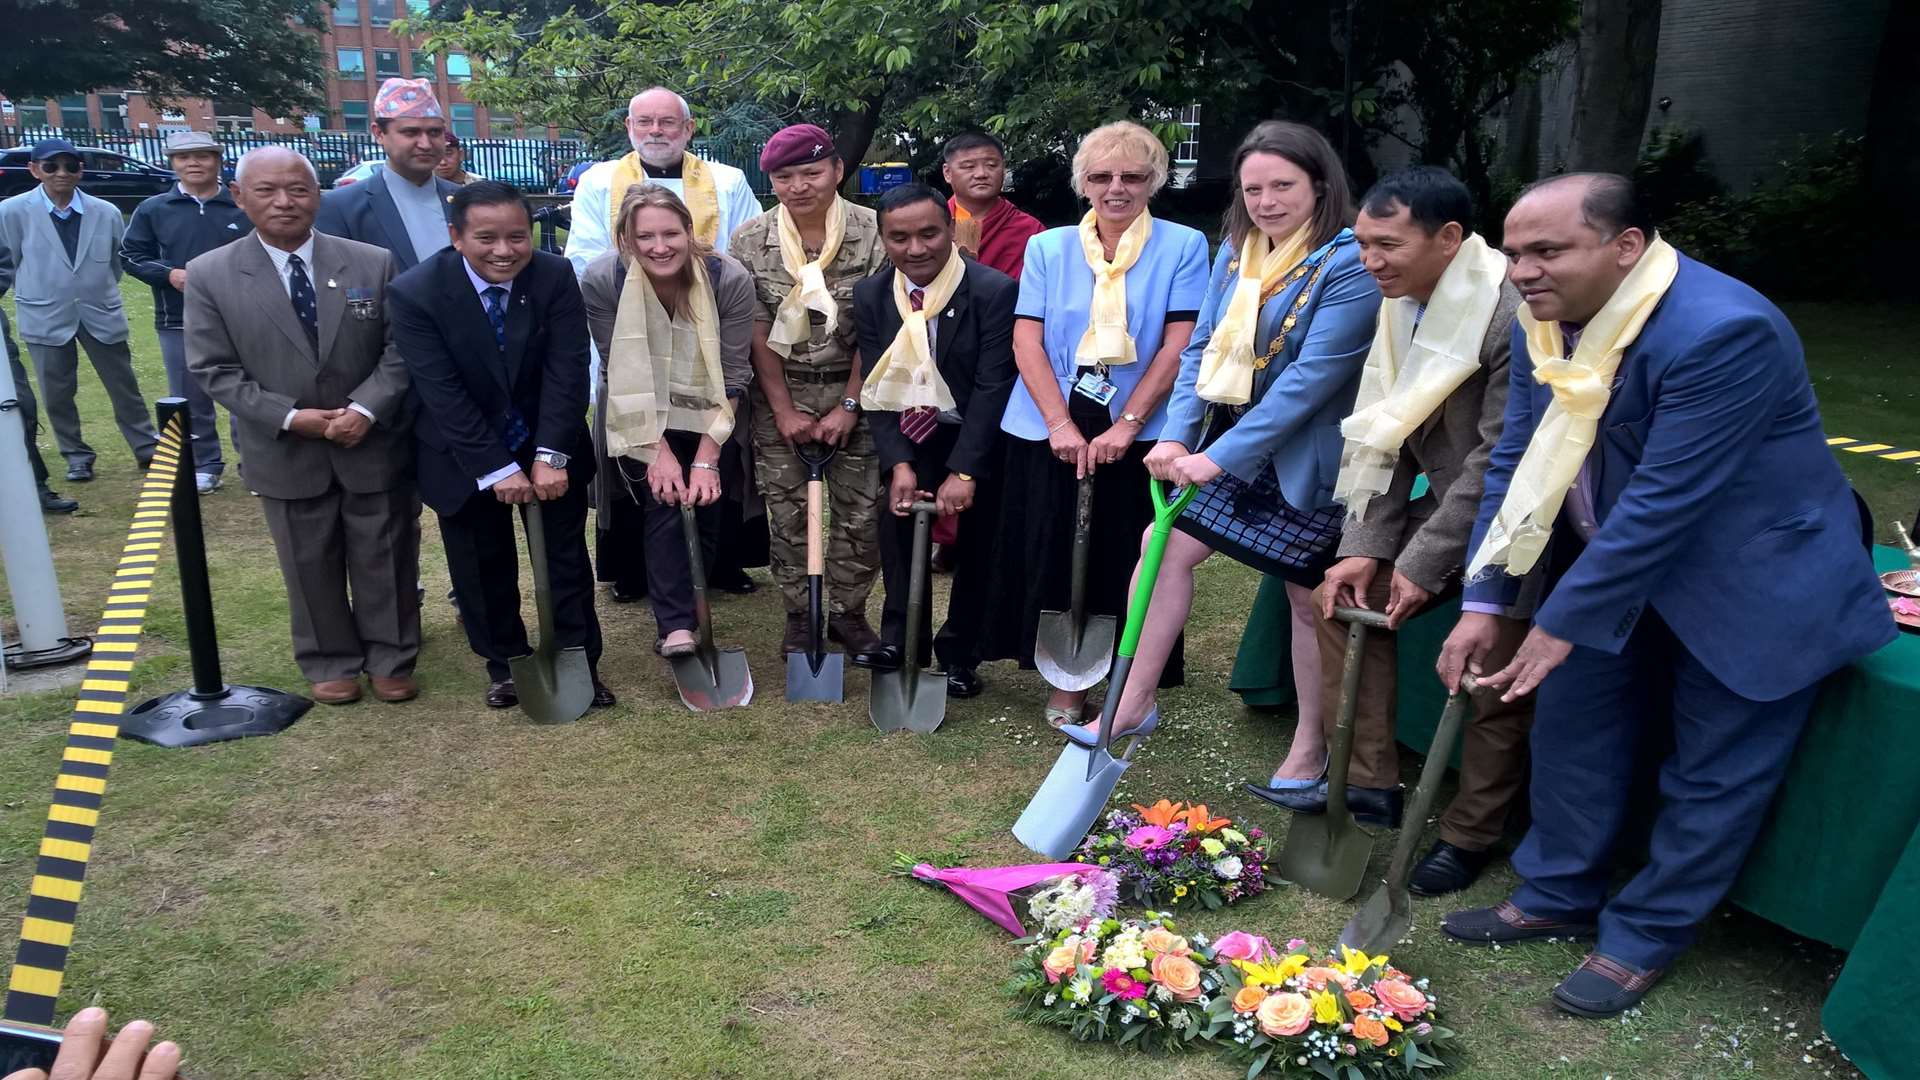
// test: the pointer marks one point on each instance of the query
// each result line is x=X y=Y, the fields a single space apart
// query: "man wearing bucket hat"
x=805 y=256
x=403 y=206
x=165 y=233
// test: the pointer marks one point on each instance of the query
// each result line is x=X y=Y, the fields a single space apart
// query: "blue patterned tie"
x=305 y=303
x=496 y=298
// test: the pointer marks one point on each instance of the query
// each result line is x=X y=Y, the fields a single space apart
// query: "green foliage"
x=1673 y=172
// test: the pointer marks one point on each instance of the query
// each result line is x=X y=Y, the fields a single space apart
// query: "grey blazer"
x=56 y=296
x=1426 y=539
x=247 y=348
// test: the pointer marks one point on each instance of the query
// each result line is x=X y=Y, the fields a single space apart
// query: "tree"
x=1613 y=83
x=247 y=50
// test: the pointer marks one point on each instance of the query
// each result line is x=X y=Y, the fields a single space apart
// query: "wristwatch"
x=1133 y=419
x=852 y=405
x=965 y=478
x=552 y=459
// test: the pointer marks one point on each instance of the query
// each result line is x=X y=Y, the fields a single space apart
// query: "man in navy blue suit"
x=1663 y=454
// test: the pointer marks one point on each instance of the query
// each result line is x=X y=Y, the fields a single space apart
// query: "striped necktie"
x=497 y=314
x=918 y=423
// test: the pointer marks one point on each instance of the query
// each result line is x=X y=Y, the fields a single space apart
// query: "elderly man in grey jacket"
x=1431 y=402
x=66 y=246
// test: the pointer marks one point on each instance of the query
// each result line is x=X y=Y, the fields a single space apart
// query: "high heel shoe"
x=1082 y=737
x=1274 y=787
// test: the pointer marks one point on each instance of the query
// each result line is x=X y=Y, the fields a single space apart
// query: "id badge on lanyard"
x=1094 y=385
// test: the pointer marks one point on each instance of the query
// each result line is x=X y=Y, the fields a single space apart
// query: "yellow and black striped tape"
x=46 y=933
x=1872 y=449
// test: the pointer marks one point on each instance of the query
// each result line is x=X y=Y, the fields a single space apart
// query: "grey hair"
x=240 y=167
x=686 y=111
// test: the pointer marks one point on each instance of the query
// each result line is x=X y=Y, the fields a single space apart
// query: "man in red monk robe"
x=986 y=226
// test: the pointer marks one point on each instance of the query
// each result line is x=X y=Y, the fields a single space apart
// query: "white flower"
x=1229 y=868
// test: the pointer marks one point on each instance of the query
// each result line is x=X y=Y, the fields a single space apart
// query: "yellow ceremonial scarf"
x=791 y=325
x=664 y=373
x=697 y=191
x=1107 y=339
x=1411 y=370
x=906 y=377
x=1581 y=386
x=1226 y=366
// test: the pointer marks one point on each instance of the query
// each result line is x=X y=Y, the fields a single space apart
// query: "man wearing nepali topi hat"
x=805 y=256
x=403 y=206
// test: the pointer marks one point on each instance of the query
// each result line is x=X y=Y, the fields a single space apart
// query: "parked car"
x=569 y=182
x=357 y=174
x=113 y=176
x=519 y=162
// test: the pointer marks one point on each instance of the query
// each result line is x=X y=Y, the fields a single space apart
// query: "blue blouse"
x=1292 y=424
x=1057 y=288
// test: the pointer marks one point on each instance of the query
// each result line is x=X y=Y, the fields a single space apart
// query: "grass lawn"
x=435 y=891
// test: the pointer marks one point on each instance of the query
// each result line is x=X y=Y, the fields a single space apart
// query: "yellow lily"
x=1326 y=1008
x=1355 y=963
x=1271 y=973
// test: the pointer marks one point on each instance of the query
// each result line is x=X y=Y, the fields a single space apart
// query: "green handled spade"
x=555 y=685
x=911 y=696
x=1328 y=852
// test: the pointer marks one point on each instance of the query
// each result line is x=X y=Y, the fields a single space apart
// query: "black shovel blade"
x=727 y=685
x=805 y=682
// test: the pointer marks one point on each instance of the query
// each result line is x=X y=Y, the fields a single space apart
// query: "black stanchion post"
x=212 y=711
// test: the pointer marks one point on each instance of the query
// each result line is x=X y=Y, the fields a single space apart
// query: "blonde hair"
x=1122 y=139
x=642 y=196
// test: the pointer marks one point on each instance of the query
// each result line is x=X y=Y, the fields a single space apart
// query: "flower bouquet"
x=1060 y=896
x=1134 y=982
x=1170 y=854
x=1343 y=1018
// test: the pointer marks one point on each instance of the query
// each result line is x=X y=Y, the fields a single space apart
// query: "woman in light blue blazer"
x=1314 y=326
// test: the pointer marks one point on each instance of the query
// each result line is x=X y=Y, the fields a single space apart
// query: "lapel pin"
x=332 y=284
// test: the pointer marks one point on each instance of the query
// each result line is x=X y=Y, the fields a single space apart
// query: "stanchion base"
x=181 y=719
x=20 y=658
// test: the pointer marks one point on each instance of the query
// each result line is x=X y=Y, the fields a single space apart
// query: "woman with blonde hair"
x=1105 y=308
x=673 y=321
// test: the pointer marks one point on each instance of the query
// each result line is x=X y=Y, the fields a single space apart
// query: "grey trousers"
x=29 y=411
x=200 y=408
x=59 y=369
x=352 y=567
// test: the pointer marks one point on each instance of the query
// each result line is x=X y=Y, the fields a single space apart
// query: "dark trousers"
x=200 y=407
x=957 y=644
x=729 y=543
x=669 y=570
x=29 y=409
x=483 y=558
x=1598 y=715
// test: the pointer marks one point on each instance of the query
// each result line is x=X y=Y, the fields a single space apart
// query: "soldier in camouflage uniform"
x=807 y=388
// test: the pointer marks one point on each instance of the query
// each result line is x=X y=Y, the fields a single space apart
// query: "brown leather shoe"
x=502 y=695
x=336 y=691
x=854 y=631
x=796 y=637
x=395 y=687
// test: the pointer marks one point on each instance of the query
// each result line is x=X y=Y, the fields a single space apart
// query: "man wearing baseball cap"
x=403 y=206
x=166 y=232
x=805 y=254
x=65 y=244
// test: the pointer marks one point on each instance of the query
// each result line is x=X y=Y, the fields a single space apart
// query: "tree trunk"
x=853 y=133
x=1893 y=144
x=1619 y=41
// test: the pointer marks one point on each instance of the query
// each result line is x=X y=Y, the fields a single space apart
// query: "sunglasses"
x=1130 y=179
x=60 y=165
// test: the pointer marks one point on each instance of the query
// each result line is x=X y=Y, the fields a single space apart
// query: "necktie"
x=496 y=298
x=916 y=424
x=305 y=303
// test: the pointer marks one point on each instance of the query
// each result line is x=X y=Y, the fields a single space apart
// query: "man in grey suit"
x=1446 y=320
x=66 y=246
x=288 y=329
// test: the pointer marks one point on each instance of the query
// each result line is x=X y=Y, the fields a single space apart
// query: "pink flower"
x=1241 y=945
x=1401 y=999
x=1149 y=838
x=1294 y=943
x=1119 y=982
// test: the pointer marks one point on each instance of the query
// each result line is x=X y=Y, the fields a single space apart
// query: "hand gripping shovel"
x=815 y=675
x=911 y=697
x=1074 y=650
x=1388 y=914
x=555 y=685
x=1327 y=852
x=712 y=678
x=1082 y=780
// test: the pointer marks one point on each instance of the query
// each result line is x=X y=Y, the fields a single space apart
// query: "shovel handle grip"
x=1373 y=620
x=924 y=507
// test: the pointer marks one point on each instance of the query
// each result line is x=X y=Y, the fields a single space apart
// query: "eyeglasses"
x=664 y=123
x=1130 y=179
x=57 y=165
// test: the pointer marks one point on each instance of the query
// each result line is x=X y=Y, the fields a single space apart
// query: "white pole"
x=23 y=536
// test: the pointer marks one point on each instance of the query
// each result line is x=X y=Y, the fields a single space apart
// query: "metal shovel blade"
x=805 y=682
x=912 y=698
x=816 y=674
x=712 y=678
x=1073 y=650
x=1069 y=801
x=555 y=685
x=1328 y=853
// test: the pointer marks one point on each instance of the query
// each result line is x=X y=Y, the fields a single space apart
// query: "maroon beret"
x=799 y=144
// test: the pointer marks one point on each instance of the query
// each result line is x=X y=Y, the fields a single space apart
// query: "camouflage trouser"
x=853 y=494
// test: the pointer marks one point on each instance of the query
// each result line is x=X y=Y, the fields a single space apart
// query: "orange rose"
x=1162 y=940
x=1400 y=998
x=1370 y=1030
x=1284 y=1014
x=1317 y=978
x=1248 y=999
x=1360 y=999
x=1178 y=974
x=1063 y=960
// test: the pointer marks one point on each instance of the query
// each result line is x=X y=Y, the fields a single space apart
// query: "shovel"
x=911 y=697
x=555 y=685
x=1083 y=778
x=815 y=675
x=1388 y=914
x=1327 y=852
x=711 y=678
x=1073 y=651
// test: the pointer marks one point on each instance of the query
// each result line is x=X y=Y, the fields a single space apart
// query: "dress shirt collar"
x=279 y=257
x=74 y=205
x=480 y=284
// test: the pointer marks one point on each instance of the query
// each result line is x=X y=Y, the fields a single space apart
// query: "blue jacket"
x=365 y=212
x=1718 y=501
x=1299 y=399
x=170 y=230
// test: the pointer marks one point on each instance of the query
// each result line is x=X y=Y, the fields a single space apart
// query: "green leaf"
x=1259 y=1064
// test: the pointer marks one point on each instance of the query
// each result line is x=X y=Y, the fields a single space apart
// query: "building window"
x=418 y=9
x=423 y=65
x=346 y=12
x=33 y=114
x=232 y=115
x=353 y=63
x=353 y=116
x=1189 y=147
x=386 y=63
x=113 y=115
x=382 y=11
x=463 y=122
x=459 y=68
x=73 y=111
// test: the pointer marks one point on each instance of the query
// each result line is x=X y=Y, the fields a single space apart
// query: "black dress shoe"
x=79 y=474
x=1602 y=987
x=1504 y=923
x=1369 y=806
x=1447 y=869
x=622 y=596
x=52 y=503
x=733 y=582
x=882 y=657
x=602 y=697
x=502 y=695
x=963 y=683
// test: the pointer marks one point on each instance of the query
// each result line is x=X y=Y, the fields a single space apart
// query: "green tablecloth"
x=1839 y=860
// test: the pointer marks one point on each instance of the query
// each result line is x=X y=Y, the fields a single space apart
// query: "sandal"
x=1064 y=718
x=685 y=648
